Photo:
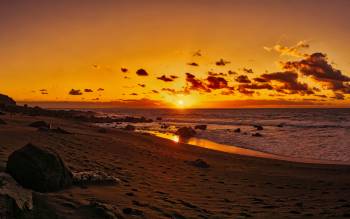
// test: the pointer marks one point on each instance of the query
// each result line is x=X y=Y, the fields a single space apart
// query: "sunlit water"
x=322 y=134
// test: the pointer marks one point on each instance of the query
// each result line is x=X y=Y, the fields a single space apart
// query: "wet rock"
x=201 y=127
x=96 y=209
x=38 y=169
x=132 y=211
x=40 y=124
x=237 y=130
x=185 y=132
x=198 y=163
x=259 y=127
x=257 y=134
x=129 y=128
x=15 y=201
x=94 y=178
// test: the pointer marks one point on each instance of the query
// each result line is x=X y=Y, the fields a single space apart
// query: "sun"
x=180 y=103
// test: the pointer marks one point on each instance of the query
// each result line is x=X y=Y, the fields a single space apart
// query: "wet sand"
x=157 y=182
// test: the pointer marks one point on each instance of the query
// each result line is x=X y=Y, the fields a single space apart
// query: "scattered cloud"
x=142 y=72
x=290 y=51
x=248 y=70
x=75 y=92
x=124 y=70
x=193 y=64
x=141 y=85
x=100 y=89
x=222 y=62
x=87 y=90
x=243 y=79
x=167 y=79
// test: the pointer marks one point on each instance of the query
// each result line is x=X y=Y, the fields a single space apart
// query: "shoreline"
x=205 y=143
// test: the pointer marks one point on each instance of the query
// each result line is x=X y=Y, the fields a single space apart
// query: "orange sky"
x=57 y=47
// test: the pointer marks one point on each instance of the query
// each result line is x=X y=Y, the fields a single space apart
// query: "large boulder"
x=185 y=132
x=38 y=169
x=6 y=100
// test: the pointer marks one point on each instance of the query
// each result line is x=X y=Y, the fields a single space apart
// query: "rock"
x=2 y=113
x=38 y=169
x=198 y=163
x=258 y=127
x=102 y=210
x=2 y=122
x=94 y=178
x=60 y=131
x=164 y=126
x=185 y=132
x=102 y=130
x=159 y=118
x=257 y=135
x=132 y=211
x=14 y=199
x=6 y=101
x=237 y=130
x=40 y=124
x=201 y=127
x=129 y=128
x=280 y=125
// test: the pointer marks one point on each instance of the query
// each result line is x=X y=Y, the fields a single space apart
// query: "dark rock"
x=60 y=131
x=38 y=169
x=201 y=127
x=237 y=130
x=159 y=118
x=39 y=124
x=257 y=135
x=164 y=126
x=280 y=125
x=102 y=130
x=2 y=113
x=198 y=163
x=129 y=128
x=132 y=211
x=185 y=132
x=258 y=127
x=2 y=122
x=6 y=101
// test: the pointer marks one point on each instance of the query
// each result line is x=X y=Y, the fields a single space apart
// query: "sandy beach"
x=157 y=181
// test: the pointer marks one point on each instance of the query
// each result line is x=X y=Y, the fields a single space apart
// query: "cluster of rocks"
x=34 y=169
x=45 y=127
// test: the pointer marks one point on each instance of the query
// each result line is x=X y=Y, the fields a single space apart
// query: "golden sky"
x=278 y=53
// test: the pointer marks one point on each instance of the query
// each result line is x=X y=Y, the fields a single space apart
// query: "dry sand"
x=156 y=182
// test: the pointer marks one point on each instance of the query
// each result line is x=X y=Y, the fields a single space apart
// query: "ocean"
x=322 y=134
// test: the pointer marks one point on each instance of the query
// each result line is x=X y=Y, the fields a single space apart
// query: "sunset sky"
x=190 y=53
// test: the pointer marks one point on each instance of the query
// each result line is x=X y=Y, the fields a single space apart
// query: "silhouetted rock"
x=258 y=127
x=199 y=163
x=257 y=135
x=237 y=130
x=39 y=124
x=38 y=169
x=201 y=127
x=2 y=122
x=6 y=100
x=102 y=130
x=129 y=128
x=185 y=132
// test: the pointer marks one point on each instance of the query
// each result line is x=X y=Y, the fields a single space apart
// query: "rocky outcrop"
x=6 y=100
x=38 y=169
x=185 y=132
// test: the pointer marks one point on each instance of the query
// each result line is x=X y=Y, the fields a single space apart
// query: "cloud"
x=75 y=92
x=100 y=89
x=141 y=85
x=141 y=72
x=289 y=51
x=222 y=62
x=216 y=82
x=87 y=90
x=133 y=94
x=195 y=84
x=248 y=70
x=317 y=67
x=289 y=81
x=43 y=91
x=166 y=79
x=155 y=91
x=193 y=64
x=217 y=74
x=232 y=72
x=243 y=79
x=124 y=70
x=197 y=53
x=338 y=96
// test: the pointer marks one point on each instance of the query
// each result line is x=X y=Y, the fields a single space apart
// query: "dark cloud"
x=124 y=70
x=43 y=91
x=261 y=80
x=133 y=94
x=195 y=84
x=216 y=82
x=165 y=78
x=317 y=67
x=155 y=91
x=100 y=89
x=141 y=85
x=232 y=72
x=169 y=90
x=289 y=81
x=197 y=53
x=217 y=74
x=222 y=62
x=193 y=64
x=255 y=86
x=243 y=79
x=174 y=76
x=141 y=72
x=87 y=90
x=338 y=96
x=248 y=70
x=75 y=92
